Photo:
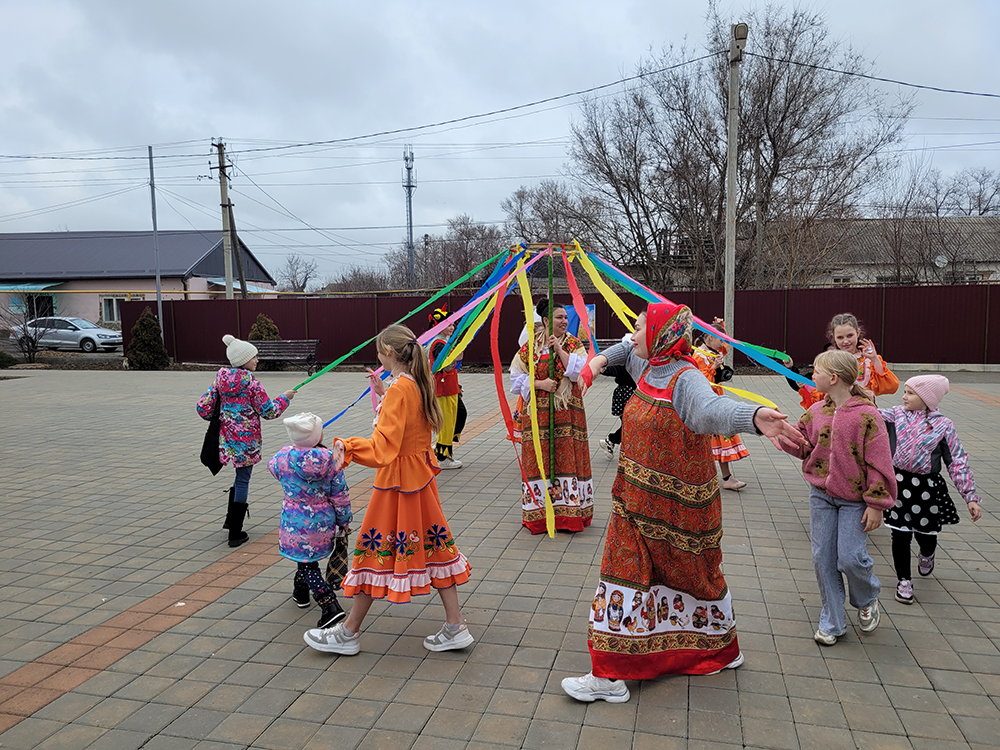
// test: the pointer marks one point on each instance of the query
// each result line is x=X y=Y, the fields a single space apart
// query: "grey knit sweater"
x=695 y=402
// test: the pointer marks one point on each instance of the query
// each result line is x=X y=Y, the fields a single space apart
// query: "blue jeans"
x=242 y=483
x=840 y=548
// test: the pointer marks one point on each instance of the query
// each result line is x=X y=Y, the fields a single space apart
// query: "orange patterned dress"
x=404 y=545
x=662 y=604
x=725 y=448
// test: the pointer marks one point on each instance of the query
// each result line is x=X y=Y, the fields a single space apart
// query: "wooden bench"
x=292 y=350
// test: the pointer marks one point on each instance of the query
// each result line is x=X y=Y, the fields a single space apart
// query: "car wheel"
x=88 y=346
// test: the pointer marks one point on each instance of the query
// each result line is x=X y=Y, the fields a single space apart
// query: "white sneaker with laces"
x=333 y=640
x=450 y=463
x=868 y=617
x=608 y=447
x=446 y=640
x=738 y=661
x=824 y=638
x=589 y=689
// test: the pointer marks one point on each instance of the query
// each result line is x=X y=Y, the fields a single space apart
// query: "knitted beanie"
x=239 y=352
x=305 y=430
x=930 y=388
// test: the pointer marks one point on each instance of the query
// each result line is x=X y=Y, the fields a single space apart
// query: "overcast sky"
x=103 y=79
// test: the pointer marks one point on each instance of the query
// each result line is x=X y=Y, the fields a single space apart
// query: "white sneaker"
x=445 y=640
x=450 y=463
x=608 y=447
x=333 y=640
x=738 y=661
x=868 y=617
x=824 y=638
x=589 y=689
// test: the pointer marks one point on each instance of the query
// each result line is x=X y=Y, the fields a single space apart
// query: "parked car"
x=71 y=333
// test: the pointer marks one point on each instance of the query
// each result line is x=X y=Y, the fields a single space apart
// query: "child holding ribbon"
x=405 y=547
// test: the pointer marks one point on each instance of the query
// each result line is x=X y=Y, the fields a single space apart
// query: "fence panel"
x=936 y=325
x=809 y=312
x=342 y=324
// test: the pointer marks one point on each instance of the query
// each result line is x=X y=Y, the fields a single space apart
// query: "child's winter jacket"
x=848 y=455
x=316 y=501
x=244 y=402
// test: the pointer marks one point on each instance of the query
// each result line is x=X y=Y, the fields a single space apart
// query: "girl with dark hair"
x=568 y=471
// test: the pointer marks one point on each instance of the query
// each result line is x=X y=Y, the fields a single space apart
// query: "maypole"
x=552 y=376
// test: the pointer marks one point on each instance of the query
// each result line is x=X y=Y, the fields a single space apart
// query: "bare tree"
x=27 y=328
x=812 y=143
x=439 y=260
x=359 y=279
x=296 y=273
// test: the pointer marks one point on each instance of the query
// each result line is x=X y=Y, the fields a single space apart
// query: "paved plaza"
x=127 y=622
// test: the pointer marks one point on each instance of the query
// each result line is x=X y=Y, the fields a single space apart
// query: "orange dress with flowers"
x=404 y=545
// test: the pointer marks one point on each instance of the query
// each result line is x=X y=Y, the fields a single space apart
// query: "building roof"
x=969 y=239
x=115 y=255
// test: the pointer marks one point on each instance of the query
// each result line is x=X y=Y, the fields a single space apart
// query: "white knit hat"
x=305 y=430
x=239 y=352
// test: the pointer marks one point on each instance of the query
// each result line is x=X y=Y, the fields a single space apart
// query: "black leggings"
x=901 y=550
x=308 y=575
x=615 y=438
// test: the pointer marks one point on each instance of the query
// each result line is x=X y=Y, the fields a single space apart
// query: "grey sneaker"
x=333 y=640
x=443 y=640
x=589 y=689
x=869 y=616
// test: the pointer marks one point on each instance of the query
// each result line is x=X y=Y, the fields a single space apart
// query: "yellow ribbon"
x=614 y=301
x=749 y=396
x=472 y=330
x=529 y=318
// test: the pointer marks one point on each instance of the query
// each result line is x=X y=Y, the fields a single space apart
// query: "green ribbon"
x=430 y=301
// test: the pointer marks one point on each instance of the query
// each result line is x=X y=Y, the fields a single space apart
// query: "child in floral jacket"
x=243 y=403
x=316 y=505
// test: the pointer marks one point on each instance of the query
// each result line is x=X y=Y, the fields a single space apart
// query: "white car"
x=68 y=333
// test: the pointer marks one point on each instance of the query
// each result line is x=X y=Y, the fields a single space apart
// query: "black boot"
x=300 y=592
x=332 y=613
x=232 y=494
x=234 y=519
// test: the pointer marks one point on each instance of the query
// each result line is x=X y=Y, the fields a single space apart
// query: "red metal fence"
x=928 y=324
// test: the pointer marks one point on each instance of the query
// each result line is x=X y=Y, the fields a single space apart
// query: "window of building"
x=841 y=279
x=111 y=307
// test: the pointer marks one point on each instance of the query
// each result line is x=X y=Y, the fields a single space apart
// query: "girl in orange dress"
x=404 y=547
x=845 y=333
x=708 y=353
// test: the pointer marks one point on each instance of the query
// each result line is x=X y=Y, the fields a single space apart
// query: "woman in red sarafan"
x=669 y=609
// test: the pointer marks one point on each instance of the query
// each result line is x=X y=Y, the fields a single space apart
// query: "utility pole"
x=235 y=240
x=409 y=185
x=227 y=247
x=737 y=41
x=156 y=244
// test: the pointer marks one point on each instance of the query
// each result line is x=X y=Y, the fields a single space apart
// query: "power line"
x=813 y=66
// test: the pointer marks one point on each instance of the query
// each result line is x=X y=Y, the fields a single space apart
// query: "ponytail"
x=409 y=352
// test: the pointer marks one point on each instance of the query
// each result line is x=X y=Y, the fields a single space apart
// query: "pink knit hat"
x=930 y=388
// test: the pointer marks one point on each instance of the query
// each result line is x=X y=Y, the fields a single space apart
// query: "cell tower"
x=409 y=185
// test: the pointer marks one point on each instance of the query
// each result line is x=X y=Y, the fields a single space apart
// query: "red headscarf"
x=668 y=332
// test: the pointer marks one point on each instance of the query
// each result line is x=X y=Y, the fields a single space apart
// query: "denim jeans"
x=840 y=548
x=242 y=483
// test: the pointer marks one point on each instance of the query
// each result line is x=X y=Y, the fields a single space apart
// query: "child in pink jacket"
x=848 y=465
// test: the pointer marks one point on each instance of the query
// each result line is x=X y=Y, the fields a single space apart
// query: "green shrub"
x=146 y=351
x=265 y=329
x=7 y=361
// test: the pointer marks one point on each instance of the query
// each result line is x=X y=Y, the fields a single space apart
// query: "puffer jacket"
x=316 y=501
x=244 y=402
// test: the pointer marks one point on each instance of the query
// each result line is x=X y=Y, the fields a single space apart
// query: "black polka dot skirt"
x=922 y=504
x=619 y=398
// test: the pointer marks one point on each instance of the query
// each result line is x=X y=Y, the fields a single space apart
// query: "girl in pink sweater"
x=848 y=464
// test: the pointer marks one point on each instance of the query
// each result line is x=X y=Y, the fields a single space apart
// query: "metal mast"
x=409 y=185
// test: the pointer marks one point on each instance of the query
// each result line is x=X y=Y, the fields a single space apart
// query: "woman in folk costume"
x=572 y=488
x=446 y=390
x=404 y=546
x=664 y=537
x=707 y=354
